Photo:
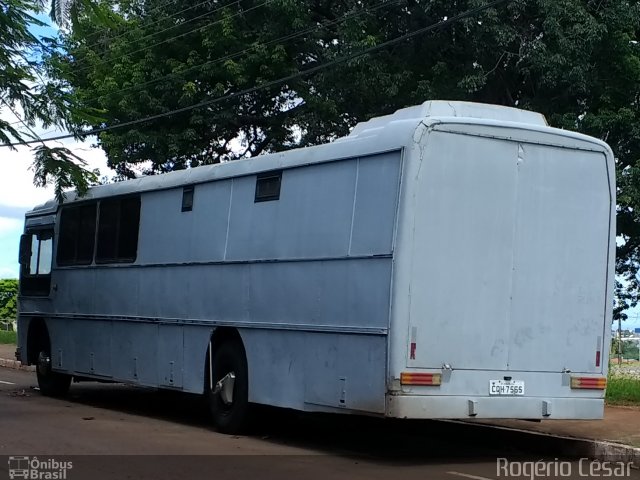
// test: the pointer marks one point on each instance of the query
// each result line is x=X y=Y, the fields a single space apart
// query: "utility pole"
x=619 y=341
x=638 y=340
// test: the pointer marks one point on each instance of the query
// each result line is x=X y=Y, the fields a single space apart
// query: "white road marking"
x=467 y=475
x=6 y=383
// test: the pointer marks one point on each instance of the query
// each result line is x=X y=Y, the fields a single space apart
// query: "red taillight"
x=592 y=383
x=411 y=378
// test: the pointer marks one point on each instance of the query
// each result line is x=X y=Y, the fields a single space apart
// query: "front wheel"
x=52 y=384
x=228 y=388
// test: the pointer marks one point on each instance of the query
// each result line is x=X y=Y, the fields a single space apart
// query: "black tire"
x=52 y=384
x=233 y=418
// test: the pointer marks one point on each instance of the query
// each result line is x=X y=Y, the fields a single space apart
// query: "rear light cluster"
x=435 y=379
x=409 y=378
x=592 y=383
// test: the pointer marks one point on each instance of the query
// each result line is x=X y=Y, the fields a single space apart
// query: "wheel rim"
x=44 y=363
x=224 y=406
x=224 y=388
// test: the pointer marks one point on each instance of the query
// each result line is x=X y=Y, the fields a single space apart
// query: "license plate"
x=506 y=387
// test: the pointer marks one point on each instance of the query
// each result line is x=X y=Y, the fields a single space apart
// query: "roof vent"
x=442 y=108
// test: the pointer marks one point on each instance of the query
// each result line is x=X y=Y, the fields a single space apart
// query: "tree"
x=8 y=299
x=26 y=91
x=630 y=350
x=575 y=61
x=65 y=13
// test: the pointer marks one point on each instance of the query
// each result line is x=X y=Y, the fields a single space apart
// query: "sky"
x=18 y=194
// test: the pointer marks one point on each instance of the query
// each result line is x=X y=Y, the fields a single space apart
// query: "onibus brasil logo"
x=33 y=468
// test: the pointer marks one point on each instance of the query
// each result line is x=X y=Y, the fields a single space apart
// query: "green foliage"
x=8 y=299
x=28 y=92
x=63 y=169
x=575 y=61
x=66 y=12
x=630 y=350
x=8 y=337
x=623 y=390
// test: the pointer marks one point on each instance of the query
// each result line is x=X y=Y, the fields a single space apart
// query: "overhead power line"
x=300 y=74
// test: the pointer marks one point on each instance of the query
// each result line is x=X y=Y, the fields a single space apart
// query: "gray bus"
x=451 y=260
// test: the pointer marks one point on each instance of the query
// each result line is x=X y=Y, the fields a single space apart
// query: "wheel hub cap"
x=224 y=388
x=44 y=363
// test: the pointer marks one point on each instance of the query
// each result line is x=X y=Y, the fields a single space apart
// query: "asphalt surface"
x=115 y=431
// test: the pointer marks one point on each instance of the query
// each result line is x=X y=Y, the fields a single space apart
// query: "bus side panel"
x=340 y=293
x=62 y=332
x=200 y=233
x=63 y=352
x=311 y=219
x=170 y=355
x=23 y=329
x=275 y=360
x=337 y=209
x=135 y=352
x=92 y=345
x=196 y=341
x=325 y=285
x=347 y=371
x=144 y=353
x=306 y=370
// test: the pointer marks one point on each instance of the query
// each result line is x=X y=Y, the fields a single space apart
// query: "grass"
x=623 y=390
x=7 y=337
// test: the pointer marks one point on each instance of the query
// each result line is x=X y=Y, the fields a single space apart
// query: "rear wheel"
x=52 y=384
x=228 y=389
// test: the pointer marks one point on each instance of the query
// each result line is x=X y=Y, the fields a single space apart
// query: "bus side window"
x=268 y=186
x=77 y=235
x=45 y=256
x=187 y=198
x=37 y=255
x=118 y=226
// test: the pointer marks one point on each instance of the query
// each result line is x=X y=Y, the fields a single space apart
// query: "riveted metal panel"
x=169 y=235
x=312 y=218
x=135 y=352
x=170 y=355
x=92 y=347
x=375 y=205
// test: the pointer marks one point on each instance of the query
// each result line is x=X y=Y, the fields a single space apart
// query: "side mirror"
x=24 y=257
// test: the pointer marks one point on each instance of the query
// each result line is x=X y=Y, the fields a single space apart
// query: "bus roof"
x=378 y=135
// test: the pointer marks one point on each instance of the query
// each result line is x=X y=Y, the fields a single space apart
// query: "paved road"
x=115 y=431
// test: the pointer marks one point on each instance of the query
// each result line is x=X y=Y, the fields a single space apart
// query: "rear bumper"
x=465 y=407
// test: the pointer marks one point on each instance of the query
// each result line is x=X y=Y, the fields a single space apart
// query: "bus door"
x=36 y=255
